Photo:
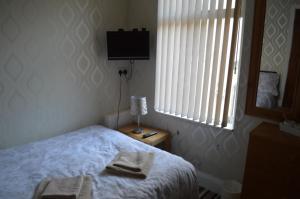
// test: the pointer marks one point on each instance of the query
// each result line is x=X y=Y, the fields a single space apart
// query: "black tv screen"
x=127 y=45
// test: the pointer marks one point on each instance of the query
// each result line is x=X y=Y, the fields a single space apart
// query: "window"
x=198 y=51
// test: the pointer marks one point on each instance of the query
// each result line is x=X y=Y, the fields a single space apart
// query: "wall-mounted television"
x=127 y=45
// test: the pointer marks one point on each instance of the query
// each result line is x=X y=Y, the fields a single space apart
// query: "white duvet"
x=87 y=152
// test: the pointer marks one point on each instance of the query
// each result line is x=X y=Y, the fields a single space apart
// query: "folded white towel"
x=63 y=188
x=135 y=164
x=78 y=187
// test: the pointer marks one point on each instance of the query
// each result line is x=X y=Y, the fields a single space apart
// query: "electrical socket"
x=122 y=72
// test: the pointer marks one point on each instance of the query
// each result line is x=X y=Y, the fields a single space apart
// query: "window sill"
x=229 y=128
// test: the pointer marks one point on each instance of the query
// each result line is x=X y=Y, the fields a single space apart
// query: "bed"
x=86 y=152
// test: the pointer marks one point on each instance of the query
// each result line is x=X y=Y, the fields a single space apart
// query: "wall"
x=54 y=74
x=212 y=150
x=276 y=43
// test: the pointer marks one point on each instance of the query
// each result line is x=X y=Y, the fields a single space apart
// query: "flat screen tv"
x=127 y=45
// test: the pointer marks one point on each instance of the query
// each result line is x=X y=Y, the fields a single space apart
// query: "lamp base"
x=138 y=130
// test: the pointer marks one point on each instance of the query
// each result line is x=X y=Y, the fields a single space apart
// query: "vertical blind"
x=197 y=50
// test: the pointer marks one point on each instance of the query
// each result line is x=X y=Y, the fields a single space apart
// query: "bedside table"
x=161 y=138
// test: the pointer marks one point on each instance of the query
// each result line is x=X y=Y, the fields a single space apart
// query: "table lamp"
x=138 y=107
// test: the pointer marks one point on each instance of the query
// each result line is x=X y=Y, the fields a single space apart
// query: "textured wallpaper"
x=277 y=26
x=215 y=151
x=276 y=43
x=54 y=74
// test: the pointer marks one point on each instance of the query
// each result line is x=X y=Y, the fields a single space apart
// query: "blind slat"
x=176 y=56
x=170 y=55
x=231 y=63
x=201 y=61
x=183 y=36
x=215 y=66
x=195 y=58
x=164 y=55
x=188 y=60
x=158 y=55
x=208 y=66
x=220 y=89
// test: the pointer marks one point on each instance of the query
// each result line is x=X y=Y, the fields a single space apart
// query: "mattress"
x=86 y=152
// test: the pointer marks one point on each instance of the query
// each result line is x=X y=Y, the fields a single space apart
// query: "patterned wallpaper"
x=218 y=152
x=276 y=46
x=54 y=74
x=277 y=25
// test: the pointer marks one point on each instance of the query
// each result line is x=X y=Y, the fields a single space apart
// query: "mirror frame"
x=277 y=114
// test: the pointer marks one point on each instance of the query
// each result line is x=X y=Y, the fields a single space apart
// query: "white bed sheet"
x=86 y=152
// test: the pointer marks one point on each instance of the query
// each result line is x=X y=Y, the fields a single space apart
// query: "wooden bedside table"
x=161 y=138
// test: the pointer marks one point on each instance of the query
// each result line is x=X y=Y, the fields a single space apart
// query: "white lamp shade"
x=138 y=105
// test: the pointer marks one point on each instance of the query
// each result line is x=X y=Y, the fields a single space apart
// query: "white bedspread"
x=87 y=152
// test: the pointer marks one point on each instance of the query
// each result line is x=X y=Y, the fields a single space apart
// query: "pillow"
x=268 y=82
x=266 y=100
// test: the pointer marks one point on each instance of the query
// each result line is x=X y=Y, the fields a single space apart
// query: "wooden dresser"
x=273 y=164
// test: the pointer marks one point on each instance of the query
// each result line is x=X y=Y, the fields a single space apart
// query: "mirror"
x=273 y=85
x=278 y=37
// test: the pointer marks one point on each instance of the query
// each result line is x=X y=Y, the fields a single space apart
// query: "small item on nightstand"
x=146 y=135
x=291 y=127
x=137 y=130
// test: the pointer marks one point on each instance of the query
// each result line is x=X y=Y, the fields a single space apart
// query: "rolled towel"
x=135 y=164
x=78 y=187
